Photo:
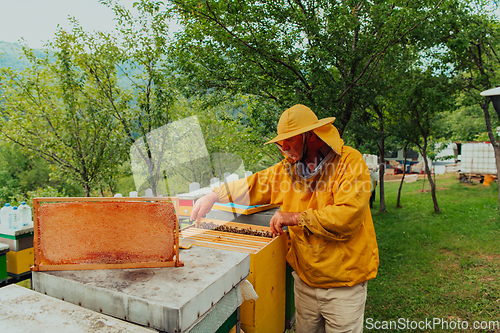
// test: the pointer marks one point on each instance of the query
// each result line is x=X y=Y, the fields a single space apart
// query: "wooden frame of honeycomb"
x=104 y=233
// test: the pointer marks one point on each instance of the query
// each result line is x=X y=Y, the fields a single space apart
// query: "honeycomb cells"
x=106 y=232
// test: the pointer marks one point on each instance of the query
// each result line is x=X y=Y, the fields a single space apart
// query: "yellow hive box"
x=20 y=262
x=185 y=210
x=267 y=276
x=267 y=272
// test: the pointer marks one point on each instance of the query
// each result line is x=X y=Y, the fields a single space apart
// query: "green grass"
x=437 y=265
x=25 y=283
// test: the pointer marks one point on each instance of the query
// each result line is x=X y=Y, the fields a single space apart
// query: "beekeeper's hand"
x=203 y=205
x=282 y=219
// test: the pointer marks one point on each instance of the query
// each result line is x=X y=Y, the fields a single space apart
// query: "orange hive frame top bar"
x=104 y=233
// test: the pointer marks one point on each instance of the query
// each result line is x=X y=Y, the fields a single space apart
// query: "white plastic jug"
x=14 y=219
x=4 y=215
x=25 y=214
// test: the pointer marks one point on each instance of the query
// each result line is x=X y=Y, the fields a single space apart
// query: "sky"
x=37 y=20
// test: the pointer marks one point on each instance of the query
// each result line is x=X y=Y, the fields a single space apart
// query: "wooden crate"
x=267 y=272
x=103 y=233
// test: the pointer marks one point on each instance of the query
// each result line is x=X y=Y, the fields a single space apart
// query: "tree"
x=317 y=53
x=57 y=112
x=465 y=122
x=405 y=158
x=92 y=68
x=379 y=104
x=21 y=172
x=226 y=128
x=141 y=49
x=371 y=126
x=427 y=94
x=473 y=42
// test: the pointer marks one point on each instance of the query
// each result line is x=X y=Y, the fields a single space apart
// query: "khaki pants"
x=332 y=310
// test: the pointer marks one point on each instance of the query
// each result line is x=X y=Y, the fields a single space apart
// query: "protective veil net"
x=303 y=180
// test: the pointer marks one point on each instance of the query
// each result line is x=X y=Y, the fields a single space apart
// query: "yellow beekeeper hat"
x=297 y=120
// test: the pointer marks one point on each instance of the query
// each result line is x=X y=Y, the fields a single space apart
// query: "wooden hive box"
x=267 y=271
x=20 y=257
x=4 y=248
x=17 y=239
x=103 y=233
x=185 y=207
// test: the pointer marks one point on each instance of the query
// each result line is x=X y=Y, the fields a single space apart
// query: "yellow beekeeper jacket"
x=334 y=244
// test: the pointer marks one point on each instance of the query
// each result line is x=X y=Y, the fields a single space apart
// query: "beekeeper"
x=323 y=189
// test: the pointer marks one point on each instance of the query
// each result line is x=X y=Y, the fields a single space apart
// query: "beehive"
x=267 y=272
x=102 y=233
x=185 y=207
x=4 y=248
x=20 y=257
x=17 y=239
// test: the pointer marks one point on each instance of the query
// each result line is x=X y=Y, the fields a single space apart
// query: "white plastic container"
x=478 y=157
x=4 y=215
x=14 y=219
x=25 y=214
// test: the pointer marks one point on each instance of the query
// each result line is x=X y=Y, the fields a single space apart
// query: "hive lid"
x=15 y=232
x=102 y=233
x=243 y=209
x=24 y=310
x=4 y=248
x=168 y=300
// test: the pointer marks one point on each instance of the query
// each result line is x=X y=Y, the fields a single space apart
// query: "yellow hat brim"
x=284 y=136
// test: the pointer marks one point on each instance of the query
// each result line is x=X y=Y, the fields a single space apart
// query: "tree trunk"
x=111 y=189
x=381 y=172
x=86 y=188
x=423 y=151
x=398 y=203
x=381 y=154
x=494 y=143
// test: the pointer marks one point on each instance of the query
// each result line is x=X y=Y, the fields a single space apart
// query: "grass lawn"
x=437 y=265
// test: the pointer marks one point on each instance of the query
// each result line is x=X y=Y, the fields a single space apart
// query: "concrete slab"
x=167 y=299
x=24 y=310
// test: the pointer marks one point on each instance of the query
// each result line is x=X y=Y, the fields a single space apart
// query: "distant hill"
x=11 y=55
